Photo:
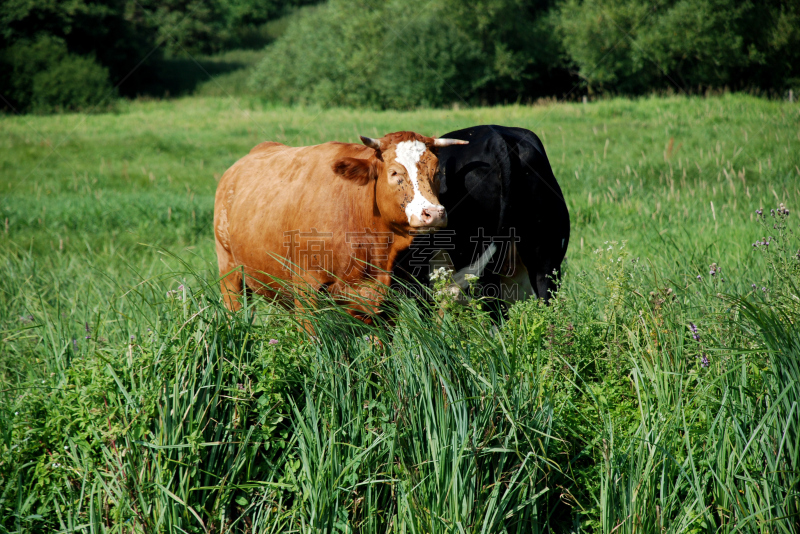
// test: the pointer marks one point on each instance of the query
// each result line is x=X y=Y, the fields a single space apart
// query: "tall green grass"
x=132 y=401
x=168 y=414
x=199 y=422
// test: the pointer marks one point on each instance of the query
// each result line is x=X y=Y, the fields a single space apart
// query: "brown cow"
x=330 y=217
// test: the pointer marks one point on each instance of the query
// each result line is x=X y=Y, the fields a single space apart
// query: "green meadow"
x=651 y=396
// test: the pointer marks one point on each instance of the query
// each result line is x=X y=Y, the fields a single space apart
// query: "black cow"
x=508 y=223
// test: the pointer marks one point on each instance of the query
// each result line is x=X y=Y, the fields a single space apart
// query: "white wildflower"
x=440 y=274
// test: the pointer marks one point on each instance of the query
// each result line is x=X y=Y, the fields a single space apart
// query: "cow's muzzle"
x=431 y=217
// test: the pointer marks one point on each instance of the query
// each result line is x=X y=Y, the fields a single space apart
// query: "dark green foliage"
x=45 y=77
x=133 y=41
x=113 y=32
x=635 y=46
x=74 y=83
x=398 y=54
x=407 y=54
x=222 y=74
x=340 y=54
x=202 y=27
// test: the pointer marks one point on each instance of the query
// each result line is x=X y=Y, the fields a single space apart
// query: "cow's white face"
x=404 y=168
x=423 y=209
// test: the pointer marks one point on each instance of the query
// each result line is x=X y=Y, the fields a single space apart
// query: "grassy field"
x=651 y=396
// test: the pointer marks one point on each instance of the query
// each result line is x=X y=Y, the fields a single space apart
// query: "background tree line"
x=79 y=54
x=76 y=54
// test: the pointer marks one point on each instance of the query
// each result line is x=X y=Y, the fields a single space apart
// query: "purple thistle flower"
x=759 y=212
x=695 y=335
x=273 y=341
x=699 y=277
x=704 y=361
x=754 y=287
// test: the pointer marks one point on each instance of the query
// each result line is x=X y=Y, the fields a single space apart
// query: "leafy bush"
x=115 y=33
x=400 y=55
x=128 y=38
x=635 y=46
x=46 y=77
x=404 y=54
x=212 y=26
x=409 y=54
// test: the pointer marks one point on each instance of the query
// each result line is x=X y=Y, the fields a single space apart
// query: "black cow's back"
x=502 y=182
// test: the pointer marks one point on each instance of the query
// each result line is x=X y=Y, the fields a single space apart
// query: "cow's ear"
x=358 y=170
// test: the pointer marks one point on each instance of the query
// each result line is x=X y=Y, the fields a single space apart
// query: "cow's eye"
x=394 y=173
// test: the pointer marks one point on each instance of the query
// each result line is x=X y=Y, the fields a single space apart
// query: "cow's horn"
x=370 y=142
x=443 y=141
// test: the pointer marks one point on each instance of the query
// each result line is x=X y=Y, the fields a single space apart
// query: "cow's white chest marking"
x=408 y=154
x=476 y=268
